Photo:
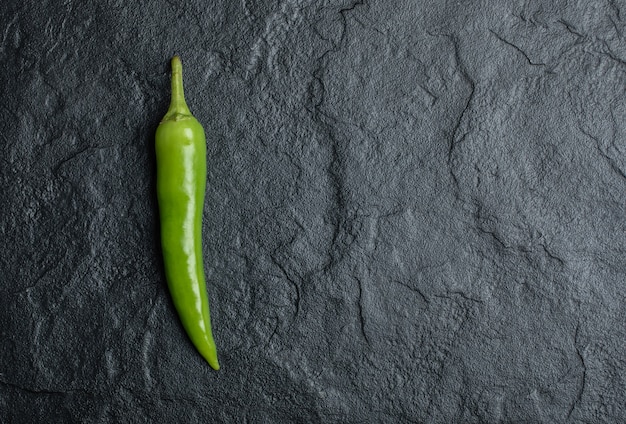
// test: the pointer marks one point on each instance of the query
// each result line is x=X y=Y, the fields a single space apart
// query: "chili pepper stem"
x=178 y=107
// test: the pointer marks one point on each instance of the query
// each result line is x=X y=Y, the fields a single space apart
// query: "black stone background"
x=415 y=211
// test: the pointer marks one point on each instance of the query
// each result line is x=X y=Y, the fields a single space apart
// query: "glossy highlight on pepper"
x=181 y=181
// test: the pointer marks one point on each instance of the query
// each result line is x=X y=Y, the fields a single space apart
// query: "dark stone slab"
x=415 y=212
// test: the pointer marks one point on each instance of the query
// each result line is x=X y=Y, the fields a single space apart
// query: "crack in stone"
x=336 y=165
x=36 y=283
x=583 y=377
x=470 y=81
x=360 y=306
x=615 y=8
x=552 y=255
x=37 y=391
x=609 y=159
x=454 y=138
x=494 y=236
x=611 y=55
x=451 y=294
x=413 y=289
x=291 y=280
x=570 y=28
x=508 y=43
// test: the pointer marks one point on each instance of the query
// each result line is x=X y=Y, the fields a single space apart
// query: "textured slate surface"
x=415 y=211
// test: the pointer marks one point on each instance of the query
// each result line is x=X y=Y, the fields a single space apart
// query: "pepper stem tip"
x=178 y=106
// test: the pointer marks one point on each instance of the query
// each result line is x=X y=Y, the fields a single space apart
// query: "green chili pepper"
x=181 y=180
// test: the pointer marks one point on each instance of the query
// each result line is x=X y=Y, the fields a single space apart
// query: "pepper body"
x=181 y=181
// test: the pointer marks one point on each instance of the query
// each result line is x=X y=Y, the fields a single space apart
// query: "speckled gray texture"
x=415 y=211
